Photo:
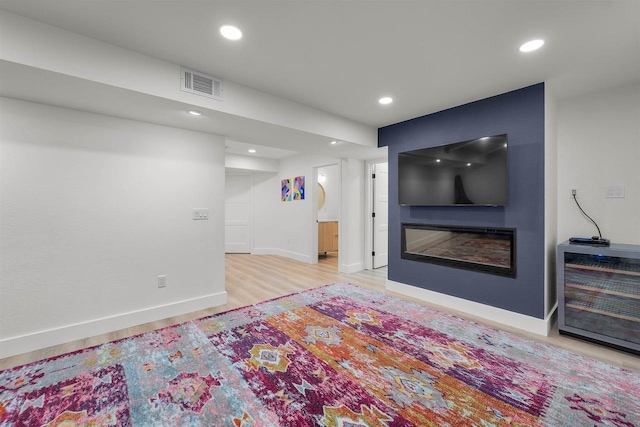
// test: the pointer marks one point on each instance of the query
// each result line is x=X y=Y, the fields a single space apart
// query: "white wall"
x=352 y=217
x=93 y=209
x=245 y=164
x=599 y=146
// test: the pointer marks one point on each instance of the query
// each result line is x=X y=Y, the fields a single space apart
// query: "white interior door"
x=238 y=214
x=381 y=217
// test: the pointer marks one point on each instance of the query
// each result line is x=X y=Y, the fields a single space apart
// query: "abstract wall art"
x=292 y=189
x=285 y=190
x=298 y=188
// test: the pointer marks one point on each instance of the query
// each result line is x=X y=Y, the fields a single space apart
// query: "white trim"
x=550 y=200
x=368 y=210
x=494 y=314
x=351 y=268
x=47 y=338
x=312 y=193
x=281 y=252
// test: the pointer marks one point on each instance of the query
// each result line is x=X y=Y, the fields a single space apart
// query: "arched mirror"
x=321 y=196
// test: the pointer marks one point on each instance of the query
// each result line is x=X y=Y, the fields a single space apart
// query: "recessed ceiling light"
x=195 y=112
x=251 y=150
x=468 y=164
x=385 y=100
x=230 y=32
x=333 y=142
x=437 y=160
x=531 y=45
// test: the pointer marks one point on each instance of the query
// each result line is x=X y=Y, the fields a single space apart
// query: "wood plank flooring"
x=254 y=278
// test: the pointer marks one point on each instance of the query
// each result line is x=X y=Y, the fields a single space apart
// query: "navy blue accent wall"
x=519 y=114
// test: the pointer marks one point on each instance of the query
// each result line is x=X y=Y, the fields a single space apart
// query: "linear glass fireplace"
x=489 y=250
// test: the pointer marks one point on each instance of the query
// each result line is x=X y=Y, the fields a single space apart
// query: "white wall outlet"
x=200 y=213
x=614 y=191
x=162 y=281
x=574 y=192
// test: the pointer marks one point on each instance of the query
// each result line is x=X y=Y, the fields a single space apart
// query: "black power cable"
x=585 y=214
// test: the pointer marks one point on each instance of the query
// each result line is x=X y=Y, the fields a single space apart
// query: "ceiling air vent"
x=195 y=82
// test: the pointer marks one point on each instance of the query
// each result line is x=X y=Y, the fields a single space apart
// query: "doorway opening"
x=328 y=214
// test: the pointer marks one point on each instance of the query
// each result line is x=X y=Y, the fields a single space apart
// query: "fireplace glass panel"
x=490 y=250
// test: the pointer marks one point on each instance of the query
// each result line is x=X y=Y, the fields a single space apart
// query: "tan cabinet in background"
x=327 y=236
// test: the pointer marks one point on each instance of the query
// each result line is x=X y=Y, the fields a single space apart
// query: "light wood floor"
x=254 y=278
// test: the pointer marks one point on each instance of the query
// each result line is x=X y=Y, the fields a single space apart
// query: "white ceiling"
x=341 y=56
x=242 y=148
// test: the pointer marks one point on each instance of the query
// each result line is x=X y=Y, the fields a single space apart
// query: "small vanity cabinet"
x=327 y=236
x=599 y=294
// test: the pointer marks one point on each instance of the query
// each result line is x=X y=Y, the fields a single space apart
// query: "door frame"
x=314 y=216
x=368 y=211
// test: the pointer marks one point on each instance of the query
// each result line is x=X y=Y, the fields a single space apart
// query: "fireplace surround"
x=488 y=250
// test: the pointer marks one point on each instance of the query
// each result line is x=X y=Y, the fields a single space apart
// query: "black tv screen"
x=467 y=173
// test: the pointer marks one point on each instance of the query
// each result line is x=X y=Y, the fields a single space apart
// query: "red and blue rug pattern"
x=335 y=356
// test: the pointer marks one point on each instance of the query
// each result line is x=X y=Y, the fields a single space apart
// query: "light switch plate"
x=200 y=213
x=614 y=191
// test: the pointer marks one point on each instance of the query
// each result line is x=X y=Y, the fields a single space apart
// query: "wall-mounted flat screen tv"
x=467 y=173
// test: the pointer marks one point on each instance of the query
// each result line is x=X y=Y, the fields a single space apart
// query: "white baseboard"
x=342 y=268
x=283 y=253
x=494 y=314
x=47 y=338
x=351 y=268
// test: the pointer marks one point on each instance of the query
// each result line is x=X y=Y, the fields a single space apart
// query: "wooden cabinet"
x=327 y=236
x=599 y=294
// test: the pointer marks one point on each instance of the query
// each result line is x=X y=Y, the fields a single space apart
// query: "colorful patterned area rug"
x=333 y=356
